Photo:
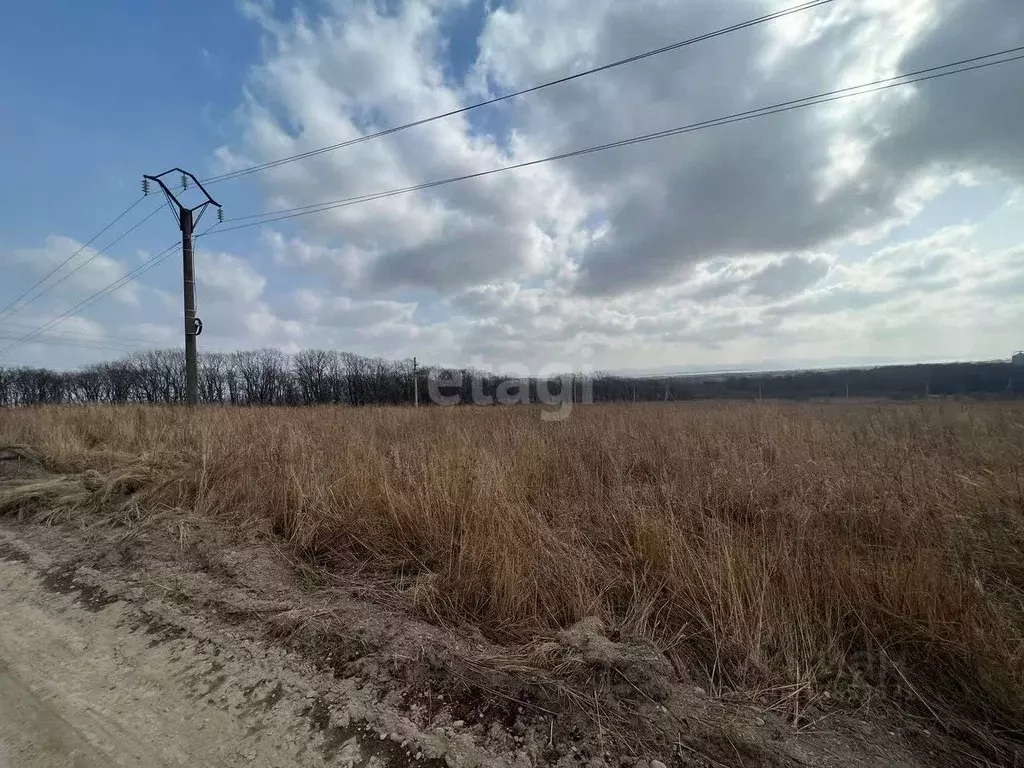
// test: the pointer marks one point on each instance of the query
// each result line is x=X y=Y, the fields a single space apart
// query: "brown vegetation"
x=798 y=551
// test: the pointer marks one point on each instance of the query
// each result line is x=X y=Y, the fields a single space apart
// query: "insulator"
x=184 y=181
x=145 y=186
x=220 y=215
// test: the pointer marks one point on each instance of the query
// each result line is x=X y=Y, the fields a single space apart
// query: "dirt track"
x=89 y=680
x=157 y=664
x=79 y=689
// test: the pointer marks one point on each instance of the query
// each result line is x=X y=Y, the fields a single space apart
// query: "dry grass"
x=785 y=549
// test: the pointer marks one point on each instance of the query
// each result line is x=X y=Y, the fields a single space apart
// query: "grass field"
x=853 y=549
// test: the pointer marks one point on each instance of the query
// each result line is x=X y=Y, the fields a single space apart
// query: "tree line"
x=271 y=377
x=246 y=377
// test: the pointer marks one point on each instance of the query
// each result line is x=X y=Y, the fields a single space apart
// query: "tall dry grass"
x=821 y=547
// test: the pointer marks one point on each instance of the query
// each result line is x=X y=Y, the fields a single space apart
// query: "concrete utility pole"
x=187 y=222
x=415 y=385
x=191 y=328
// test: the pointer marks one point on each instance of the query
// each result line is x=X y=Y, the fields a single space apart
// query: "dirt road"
x=155 y=663
x=87 y=680
x=77 y=688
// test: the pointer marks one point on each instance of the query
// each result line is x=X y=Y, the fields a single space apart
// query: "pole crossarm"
x=158 y=178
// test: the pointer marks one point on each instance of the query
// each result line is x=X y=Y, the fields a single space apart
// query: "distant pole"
x=634 y=393
x=415 y=385
x=186 y=223
x=759 y=391
x=189 y=284
x=847 y=390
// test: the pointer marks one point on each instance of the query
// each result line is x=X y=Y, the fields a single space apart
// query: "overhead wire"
x=862 y=89
x=92 y=258
x=7 y=308
x=116 y=285
x=9 y=327
x=92 y=298
x=957 y=67
x=34 y=365
x=82 y=343
x=451 y=113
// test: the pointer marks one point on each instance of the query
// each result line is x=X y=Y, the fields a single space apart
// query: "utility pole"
x=186 y=223
x=415 y=385
x=189 y=290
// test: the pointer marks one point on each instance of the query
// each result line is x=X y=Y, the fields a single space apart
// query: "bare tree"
x=213 y=377
x=312 y=370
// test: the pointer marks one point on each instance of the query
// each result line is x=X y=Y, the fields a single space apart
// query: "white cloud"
x=786 y=183
x=88 y=272
x=227 y=276
x=812 y=234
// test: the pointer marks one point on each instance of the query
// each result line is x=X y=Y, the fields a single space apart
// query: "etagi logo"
x=482 y=384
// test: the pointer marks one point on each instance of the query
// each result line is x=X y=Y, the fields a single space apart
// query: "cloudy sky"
x=887 y=227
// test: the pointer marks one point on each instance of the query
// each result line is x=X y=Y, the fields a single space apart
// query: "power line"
x=92 y=258
x=116 y=285
x=909 y=78
x=31 y=366
x=629 y=60
x=834 y=95
x=93 y=298
x=85 y=245
x=82 y=343
x=9 y=327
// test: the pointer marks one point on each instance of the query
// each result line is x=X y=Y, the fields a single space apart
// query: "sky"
x=883 y=228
